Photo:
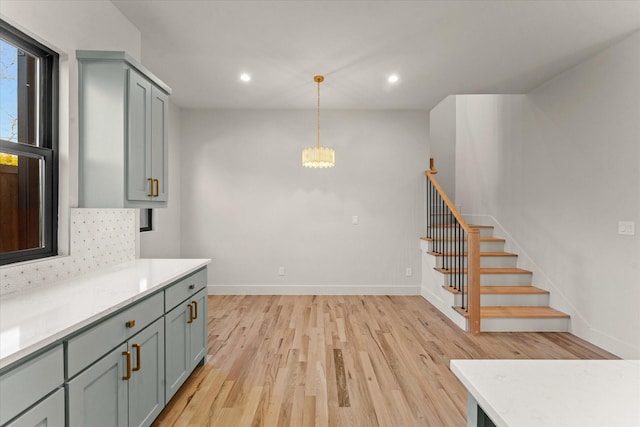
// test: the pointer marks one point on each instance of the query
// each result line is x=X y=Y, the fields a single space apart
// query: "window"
x=28 y=147
x=146 y=219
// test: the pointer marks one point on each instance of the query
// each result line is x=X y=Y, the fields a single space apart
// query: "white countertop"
x=32 y=319
x=554 y=392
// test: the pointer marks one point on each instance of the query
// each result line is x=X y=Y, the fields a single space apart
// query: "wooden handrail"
x=473 y=254
x=447 y=200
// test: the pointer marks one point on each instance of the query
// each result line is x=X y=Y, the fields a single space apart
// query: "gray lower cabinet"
x=119 y=371
x=125 y=387
x=25 y=388
x=186 y=340
x=198 y=329
x=99 y=396
x=146 y=385
x=49 y=412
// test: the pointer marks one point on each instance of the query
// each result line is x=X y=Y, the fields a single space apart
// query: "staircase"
x=508 y=301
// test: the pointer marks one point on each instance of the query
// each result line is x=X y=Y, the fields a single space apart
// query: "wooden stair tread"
x=482 y=239
x=503 y=270
x=517 y=312
x=482 y=254
x=503 y=290
x=452 y=225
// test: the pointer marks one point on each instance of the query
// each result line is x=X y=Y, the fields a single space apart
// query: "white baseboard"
x=313 y=289
x=611 y=344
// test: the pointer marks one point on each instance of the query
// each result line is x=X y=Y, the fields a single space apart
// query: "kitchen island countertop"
x=554 y=392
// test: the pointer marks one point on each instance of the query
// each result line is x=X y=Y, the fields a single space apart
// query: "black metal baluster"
x=456 y=251
x=462 y=248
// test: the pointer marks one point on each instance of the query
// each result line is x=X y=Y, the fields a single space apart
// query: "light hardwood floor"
x=342 y=361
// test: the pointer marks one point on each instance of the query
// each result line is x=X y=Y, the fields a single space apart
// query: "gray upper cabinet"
x=123 y=111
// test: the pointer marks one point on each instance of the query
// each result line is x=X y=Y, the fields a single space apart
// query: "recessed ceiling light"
x=245 y=77
x=393 y=78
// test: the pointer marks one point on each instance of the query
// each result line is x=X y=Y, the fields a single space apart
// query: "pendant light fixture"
x=318 y=157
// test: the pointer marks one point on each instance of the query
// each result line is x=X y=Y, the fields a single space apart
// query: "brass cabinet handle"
x=157 y=193
x=190 y=314
x=195 y=304
x=137 y=347
x=128 y=374
x=130 y=323
x=150 y=187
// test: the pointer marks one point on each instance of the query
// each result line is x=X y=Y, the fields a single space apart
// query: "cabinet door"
x=146 y=386
x=98 y=396
x=177 y=359
x=159 y=142
x=48 y=413
x=198 y=329
x=139 y=138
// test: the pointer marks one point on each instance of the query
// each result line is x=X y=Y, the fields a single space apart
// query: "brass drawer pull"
x=130 y=323
x=150 y=187
x=157 y=193
x=190 y=314
x=128 y=374
x=195 y=304
x=137 y=347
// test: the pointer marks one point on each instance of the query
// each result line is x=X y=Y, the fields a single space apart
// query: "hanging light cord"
x=318 y=112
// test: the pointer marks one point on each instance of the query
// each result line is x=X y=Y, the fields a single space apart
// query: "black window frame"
x=149 y=219
x=47 y=147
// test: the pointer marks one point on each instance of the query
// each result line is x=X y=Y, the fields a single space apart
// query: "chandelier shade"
x=318 y=157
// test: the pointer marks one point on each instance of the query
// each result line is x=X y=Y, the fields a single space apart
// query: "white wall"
x=248 y=204
x=66 y=26
x=558 y=168
x=164 y=240
x=443 y=142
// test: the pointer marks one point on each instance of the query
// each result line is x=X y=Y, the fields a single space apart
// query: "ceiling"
x=437 y=48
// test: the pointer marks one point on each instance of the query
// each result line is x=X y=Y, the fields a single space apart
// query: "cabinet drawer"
x=49 y=412
x=92 y=344
x=29 y=382
x=184 y=288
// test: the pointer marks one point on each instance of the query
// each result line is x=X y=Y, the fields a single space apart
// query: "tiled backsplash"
x=99 y=238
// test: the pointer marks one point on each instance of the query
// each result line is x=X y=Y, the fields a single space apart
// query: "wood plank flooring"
x=342 y=361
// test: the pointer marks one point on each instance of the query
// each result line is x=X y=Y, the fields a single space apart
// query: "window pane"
x=28 y=144
x=21 y=203
x=18 y=95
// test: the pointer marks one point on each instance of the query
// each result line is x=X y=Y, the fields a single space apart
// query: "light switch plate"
x=355 y=220
x=626 y=228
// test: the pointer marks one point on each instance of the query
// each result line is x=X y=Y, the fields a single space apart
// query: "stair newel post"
x=473 y=278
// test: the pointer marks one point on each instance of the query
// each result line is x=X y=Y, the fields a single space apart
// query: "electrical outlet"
x=626 y=228
x=409 y=272
x=355 y=220
x=281 y=271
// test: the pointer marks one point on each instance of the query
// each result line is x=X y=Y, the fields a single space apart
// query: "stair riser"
x=484 y=246
x=524 y=325
x=527 y=300
x=494 y=279
x=485 y=262
x=442 y=232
